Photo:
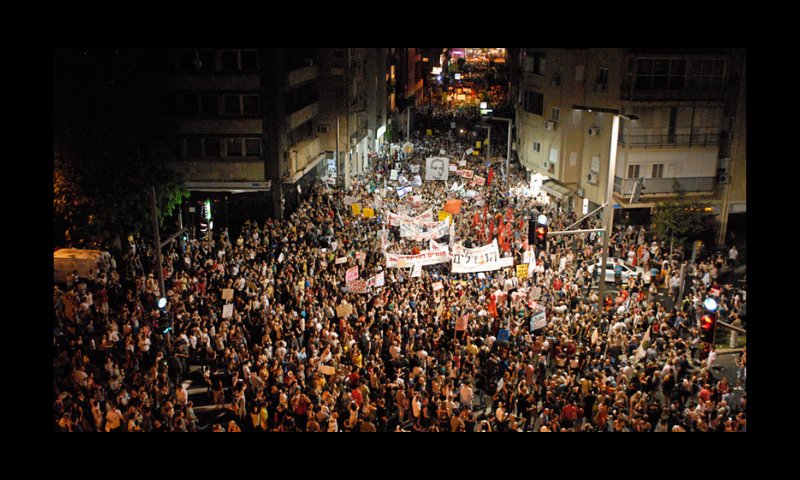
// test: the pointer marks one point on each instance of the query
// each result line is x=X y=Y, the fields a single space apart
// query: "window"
x=235 y=147
x=536 y=147
x=633 y=171
x=660 y=74
x=232 y=104
x=302 y=133
x=595 y=165
x=250 y=104
x=658 y=170
x=555 y=114
x=232 y=60
x=194 y=147
x=602 y=76
x=235 y=104
x=209 y=104
x=207 y=60
x=706 y=74
x=252 y=147
x=187 y=60
x=249 y=59
x=534 y=103
x=212 y=147
x=191 y=104
x=533 y=62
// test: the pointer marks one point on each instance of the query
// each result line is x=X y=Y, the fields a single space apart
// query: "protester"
x=285 y=343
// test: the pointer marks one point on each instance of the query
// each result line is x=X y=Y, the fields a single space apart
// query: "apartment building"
x=256 y=126
x=690 y=131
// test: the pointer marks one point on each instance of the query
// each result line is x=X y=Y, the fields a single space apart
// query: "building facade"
x=256 y=126
x=690 y=132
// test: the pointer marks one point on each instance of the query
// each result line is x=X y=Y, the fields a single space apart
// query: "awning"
x=230 y=187
x=556 y=190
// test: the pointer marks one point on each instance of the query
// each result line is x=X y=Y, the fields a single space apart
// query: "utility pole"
x=608 y=211
x=157 y=241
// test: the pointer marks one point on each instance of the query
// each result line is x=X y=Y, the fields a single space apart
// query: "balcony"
x=665 y=186
x=644 y=137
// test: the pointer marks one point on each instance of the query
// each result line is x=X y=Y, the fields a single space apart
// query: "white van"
x=86 y=262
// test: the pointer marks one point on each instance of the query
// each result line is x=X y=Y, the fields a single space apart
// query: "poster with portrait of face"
x=437 y=168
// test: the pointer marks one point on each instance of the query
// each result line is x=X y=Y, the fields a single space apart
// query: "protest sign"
x=437 y=168
x=482 y=259
x=452 y=206
x=522 y=271
x=351 y=274
x=461 y=323
x=394 y=260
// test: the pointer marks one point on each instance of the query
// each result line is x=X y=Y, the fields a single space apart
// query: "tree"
x=111 y=144
x=680 y=219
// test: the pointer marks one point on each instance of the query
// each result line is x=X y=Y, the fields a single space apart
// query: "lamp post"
x=508 y=152
x=608 y=209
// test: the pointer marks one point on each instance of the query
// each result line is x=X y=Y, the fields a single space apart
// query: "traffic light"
x=541 y=236
x=532 y=232
x=708 y=327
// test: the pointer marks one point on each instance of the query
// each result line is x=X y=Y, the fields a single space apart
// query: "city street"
x=400 y=240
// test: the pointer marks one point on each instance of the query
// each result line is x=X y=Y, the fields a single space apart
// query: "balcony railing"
x=663 y=186
x=645 y=138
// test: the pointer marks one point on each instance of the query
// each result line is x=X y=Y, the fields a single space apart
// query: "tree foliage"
x=111 y=145
x=680 y=219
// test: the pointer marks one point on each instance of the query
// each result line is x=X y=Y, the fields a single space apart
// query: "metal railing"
x=646 y=139
x=665 y=185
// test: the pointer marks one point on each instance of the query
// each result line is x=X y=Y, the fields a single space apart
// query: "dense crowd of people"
x=284 y=344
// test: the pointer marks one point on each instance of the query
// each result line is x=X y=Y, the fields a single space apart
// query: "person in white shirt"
x=466 y=395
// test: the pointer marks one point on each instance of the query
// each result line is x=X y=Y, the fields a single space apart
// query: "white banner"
x=430 y=258
x=415 y=201
x=397 y=219
x=435 y=231
x=482 y=259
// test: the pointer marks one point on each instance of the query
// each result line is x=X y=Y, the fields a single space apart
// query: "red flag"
x=489 y=177
x=475 y=220
x=493 y=308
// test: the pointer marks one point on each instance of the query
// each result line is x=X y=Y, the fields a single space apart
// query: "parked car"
x=627 y=272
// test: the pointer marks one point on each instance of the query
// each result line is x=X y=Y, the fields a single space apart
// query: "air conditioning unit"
x=594 y=131
x=323 y=128
x=549 y=125
x=724 y=178
x=592 y=177
x=547 y=165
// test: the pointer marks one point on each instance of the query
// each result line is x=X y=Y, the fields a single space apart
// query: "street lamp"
x=608 y=209
x=508 y=153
